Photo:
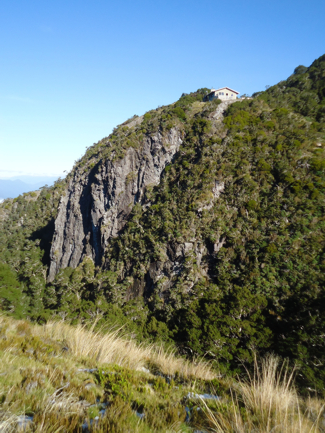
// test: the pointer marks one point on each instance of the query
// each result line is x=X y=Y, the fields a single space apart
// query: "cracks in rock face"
x=97 y=204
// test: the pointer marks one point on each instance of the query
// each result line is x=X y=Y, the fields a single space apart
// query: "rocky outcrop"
x=96 y=205
x=162 y=275
x=180 y=259
x=219 y=112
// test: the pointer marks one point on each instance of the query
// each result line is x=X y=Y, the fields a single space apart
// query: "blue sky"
x=72 y=70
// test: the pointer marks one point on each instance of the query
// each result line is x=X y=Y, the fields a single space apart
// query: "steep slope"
x=26 y=230
x=199 y=224
x=97 y=203
x=98 y=200
x=261 y=243
x=57 y=377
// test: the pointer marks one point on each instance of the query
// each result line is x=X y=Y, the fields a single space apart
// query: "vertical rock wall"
x=96 y=205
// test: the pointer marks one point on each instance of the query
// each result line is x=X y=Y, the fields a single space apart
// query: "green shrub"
x=180 y=113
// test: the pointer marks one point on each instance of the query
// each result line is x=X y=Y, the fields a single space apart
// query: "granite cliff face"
x=96 y=204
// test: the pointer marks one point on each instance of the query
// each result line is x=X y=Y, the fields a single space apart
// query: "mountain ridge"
x=222 y=256
x=12 y=187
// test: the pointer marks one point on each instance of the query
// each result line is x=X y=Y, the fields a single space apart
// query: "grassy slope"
x=64 y=376
x=40 y=376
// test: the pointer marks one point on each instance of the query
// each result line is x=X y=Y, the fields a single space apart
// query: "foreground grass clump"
x=267 y=402
x=57 y=377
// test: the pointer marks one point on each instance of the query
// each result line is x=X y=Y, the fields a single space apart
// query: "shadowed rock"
x=96 y=204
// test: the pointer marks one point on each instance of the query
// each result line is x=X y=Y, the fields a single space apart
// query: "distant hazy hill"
x=13 y=187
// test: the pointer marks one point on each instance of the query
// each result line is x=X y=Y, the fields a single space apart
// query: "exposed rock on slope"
x=224 y=254
x=218 y=113
x=96 y=204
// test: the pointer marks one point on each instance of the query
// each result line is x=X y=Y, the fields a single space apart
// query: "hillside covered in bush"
x=199 y=224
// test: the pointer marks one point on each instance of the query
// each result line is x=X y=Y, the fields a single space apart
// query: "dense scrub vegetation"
x=259 y=281
x=27 y=224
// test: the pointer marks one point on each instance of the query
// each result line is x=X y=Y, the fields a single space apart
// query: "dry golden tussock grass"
x=8 y=422
x=267 y=402
x=112 y=348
